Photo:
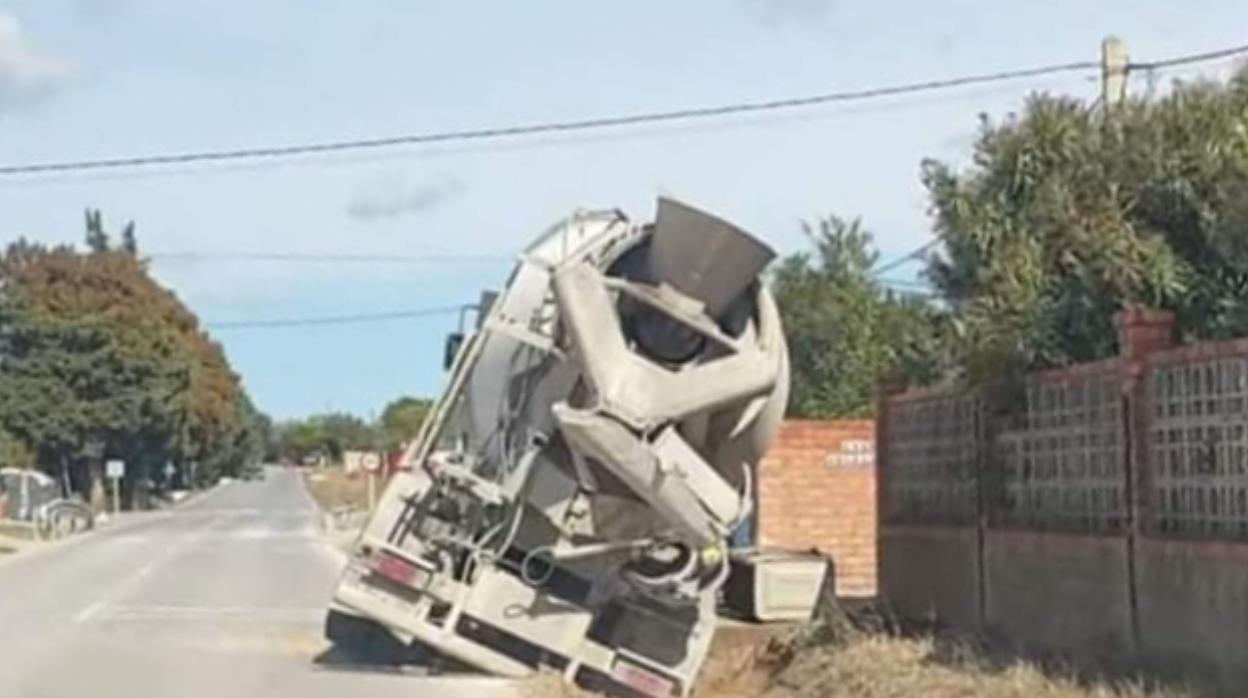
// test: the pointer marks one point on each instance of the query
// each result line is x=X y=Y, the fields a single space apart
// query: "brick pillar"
x=1142 y=331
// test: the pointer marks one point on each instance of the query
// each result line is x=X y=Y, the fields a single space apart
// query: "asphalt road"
x=222 y=597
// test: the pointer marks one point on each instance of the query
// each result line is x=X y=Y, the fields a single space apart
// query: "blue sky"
x=100 y=78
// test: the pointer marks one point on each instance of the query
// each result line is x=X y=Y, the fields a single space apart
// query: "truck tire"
x=366 y=642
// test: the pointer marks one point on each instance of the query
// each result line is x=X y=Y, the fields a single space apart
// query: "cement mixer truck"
x=568 y=503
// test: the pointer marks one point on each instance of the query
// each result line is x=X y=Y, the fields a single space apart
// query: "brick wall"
x=816 y=489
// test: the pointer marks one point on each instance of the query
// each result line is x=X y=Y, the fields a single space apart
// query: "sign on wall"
x=853 y=453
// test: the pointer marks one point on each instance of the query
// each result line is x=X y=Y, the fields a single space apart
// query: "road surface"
x=223 y=598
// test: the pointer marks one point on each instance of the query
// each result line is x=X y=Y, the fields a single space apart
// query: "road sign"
x=115 y=470
x=371 y=462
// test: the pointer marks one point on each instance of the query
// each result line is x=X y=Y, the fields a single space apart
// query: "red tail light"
x=396 y=569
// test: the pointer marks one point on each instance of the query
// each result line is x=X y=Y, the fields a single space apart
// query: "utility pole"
x=115 y=470
x=372 y=489
x=1114 y=66
x=373 y=461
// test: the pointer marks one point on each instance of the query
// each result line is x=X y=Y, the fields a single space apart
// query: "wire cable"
x=598 y=122
x=911 y=255
x=543 y=127
x=1189 y=59
x=334 y=319
x=448 y=258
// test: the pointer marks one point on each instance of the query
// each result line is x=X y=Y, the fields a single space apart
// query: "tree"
x=99 y=361
x=328 y=435
x=401 y=421
x=296 y=440
x=345 y=432
x=97 y=239
x=1069 y=213
x=845 y=331
x=85 y=371
x=129 y=244
x=13 y=452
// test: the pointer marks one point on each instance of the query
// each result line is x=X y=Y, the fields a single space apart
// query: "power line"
x=903 y=283
x=193 y=256
x=599 y=122
x=335 y=319
x=519 y=145
x=912 y=254
x=1190 y=58
x=691 y=113
x=543 y=127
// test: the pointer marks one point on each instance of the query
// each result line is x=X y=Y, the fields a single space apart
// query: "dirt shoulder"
x=878 y=662
x=343 y=500
x=333 y=488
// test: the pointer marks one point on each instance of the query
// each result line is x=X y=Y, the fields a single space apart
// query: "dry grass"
x=550 y=685
x=878 y=664
x=333 y=488
x=851 y=659
x=882 y=666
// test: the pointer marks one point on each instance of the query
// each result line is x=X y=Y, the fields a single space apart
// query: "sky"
x=83 y=79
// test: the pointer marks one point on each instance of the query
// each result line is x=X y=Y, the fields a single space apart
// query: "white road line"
x=89 y=612
x=254 y=614
x=248 y=511
x=144 y=571
x=121 y=588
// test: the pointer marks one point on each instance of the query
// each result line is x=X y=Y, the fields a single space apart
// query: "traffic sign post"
x=372 y=463
x=115 y=470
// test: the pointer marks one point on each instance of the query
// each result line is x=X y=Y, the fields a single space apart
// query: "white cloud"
x=776 y=12
x=27 y=72
x=395 y=196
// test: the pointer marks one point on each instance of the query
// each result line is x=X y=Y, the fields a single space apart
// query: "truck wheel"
x=363 y=641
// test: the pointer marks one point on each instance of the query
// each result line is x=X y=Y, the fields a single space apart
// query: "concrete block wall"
x=932 y=573
x=1057 y=593
x=1193 y=608
x=816 y=489
x=1110 y=519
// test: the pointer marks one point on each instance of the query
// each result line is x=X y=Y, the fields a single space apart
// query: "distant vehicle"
x=26 y=491
x=33 y=497
x=253 y=472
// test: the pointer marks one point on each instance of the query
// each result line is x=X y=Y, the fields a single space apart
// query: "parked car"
x=26 y=491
